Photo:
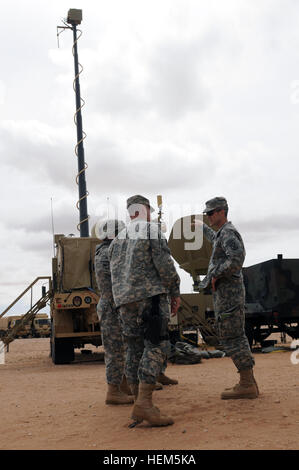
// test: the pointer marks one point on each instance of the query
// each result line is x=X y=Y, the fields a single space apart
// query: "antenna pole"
x=74 y=18
x=84 y=226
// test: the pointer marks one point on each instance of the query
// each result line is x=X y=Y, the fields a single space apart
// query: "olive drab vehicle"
x=272 y=294
x=74 y=320
x=272 y=298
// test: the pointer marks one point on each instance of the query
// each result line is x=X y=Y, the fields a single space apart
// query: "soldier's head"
x=216 y=209
x=139 y=208
x=107 y=229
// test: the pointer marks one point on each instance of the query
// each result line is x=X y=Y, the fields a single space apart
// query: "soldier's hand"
x=175 y=303
x=213 y=282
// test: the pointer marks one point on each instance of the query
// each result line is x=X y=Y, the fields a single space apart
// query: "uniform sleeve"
x=110 y=251
x=164 y=263
x=233 y=247
x=209 y=233
x=102 y=271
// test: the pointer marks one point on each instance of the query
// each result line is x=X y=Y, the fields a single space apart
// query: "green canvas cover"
x=76 y=262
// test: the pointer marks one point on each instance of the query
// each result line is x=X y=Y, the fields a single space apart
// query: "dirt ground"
x=44 y=406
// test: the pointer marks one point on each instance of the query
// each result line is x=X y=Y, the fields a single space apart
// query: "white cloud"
x=186 y=99
x=2 y=92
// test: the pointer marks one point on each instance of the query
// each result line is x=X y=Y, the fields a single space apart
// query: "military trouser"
x=232 y=338
x=144 y=360
x=164 y=365
x=112 y=341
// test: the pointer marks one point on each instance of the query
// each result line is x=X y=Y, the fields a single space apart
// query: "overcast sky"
x=190 y=99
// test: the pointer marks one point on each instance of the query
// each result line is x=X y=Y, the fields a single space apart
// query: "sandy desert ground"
x=44 y=406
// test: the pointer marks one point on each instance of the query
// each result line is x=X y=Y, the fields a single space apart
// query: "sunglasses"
x=213 y=212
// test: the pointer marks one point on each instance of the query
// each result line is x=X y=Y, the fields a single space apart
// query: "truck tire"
x=62 y=351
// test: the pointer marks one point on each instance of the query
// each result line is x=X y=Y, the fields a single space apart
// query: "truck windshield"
x=42 y=322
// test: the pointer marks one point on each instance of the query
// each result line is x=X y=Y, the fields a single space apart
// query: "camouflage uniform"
x=141 y=267
x=109 y=318
x=229 y=298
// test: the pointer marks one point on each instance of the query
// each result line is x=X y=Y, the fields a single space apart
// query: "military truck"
x=73 y=298
x=24 y=330
x=74 y=320
x=41 y=326
x=8 y=323
x=14 y=321
x=272 y=294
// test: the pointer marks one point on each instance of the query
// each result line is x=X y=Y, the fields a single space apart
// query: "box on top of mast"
x=74 y=16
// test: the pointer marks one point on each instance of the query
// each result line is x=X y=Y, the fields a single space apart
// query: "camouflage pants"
x=112 y=341
x=164 y=365
x=232 y=338
x=144 y=360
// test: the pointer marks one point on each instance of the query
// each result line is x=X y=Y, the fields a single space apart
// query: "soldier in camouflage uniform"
x=225 y=278
x=109 y=319
x=142 y=270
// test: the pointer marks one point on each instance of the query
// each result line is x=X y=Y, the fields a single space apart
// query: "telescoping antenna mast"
x=74 y=18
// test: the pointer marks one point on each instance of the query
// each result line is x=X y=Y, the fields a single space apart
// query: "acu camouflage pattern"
x=215 y=203
x=145 y=360
x=141 y=264
x=142 y=267
x=226 y=265
x=109 y=319
x=102 y=271
x=233 y=340
x=138 y=199
x=229 y=298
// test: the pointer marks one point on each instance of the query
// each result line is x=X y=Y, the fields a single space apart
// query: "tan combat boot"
x=158 y=386
x=134 y=390
x=257 y=389
x=145 y=410
x=246 y=388
x=124 y=386
x=116 y=397
x=164 y=380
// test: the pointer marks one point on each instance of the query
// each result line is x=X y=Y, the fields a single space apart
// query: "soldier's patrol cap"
x=215 y=203
x=138 y=199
